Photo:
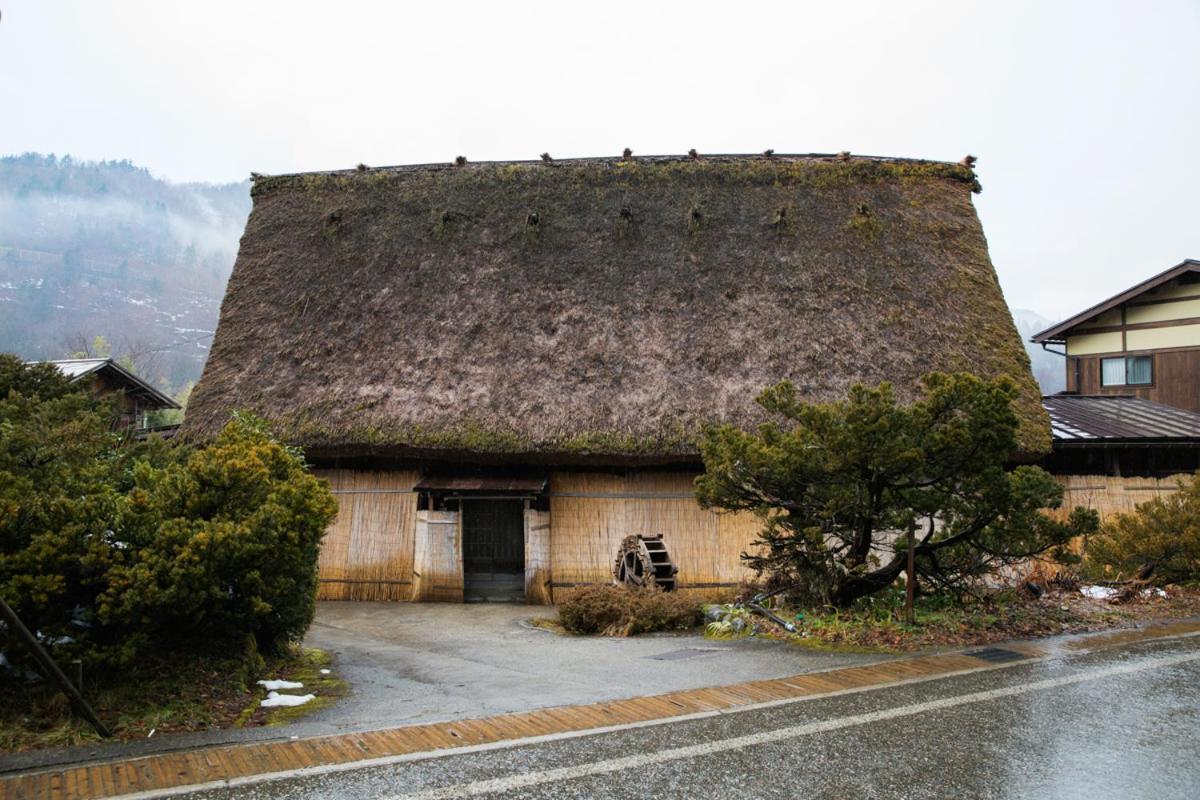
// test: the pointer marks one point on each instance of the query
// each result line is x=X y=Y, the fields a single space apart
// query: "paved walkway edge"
x=169 y=774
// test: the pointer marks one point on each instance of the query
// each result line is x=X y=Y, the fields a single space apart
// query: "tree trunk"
x=858 y=586
x=1135 y=585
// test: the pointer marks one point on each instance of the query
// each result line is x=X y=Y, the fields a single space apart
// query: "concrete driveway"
x=423 y=662
x=427 y=662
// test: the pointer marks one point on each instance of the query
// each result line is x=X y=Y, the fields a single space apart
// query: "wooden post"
x=910 y=578
x=52 y=671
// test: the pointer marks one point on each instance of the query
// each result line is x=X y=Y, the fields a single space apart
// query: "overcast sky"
x=1084 y=116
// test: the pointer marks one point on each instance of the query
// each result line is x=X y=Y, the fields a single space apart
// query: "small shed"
x=104 y=376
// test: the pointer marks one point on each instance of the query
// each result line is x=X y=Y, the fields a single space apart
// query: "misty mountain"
x=106 y=249
x=1048 y=368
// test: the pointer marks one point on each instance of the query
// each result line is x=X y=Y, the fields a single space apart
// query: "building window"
x=1127 y=371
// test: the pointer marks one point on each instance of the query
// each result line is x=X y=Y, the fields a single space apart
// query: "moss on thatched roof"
x=598 y=308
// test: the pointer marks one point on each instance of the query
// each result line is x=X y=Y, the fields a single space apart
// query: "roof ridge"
x=616 y=159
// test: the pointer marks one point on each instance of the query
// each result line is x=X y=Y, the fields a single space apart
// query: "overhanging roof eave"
x=1055 y=333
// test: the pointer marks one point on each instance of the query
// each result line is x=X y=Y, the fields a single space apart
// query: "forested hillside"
x=105 y=249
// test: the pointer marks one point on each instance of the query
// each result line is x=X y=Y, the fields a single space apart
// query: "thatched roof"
x=598 y=308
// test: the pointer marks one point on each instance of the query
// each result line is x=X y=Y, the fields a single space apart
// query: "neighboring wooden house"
x=1113 y=452
x=1143 y=342
x=502 y=368
x=104 y=376
x=1125 y=428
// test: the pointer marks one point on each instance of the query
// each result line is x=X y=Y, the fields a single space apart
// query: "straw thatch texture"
x=388 y=310
x=537 y=557
x=367 y=553
x=590 y=513
x=438 y=567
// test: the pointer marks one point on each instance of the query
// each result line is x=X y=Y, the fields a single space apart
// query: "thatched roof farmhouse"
x=578 y=321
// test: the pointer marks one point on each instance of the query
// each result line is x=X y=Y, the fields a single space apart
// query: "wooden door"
x=493 y=542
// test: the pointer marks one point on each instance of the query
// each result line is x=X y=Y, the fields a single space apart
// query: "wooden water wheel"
x=644 y=561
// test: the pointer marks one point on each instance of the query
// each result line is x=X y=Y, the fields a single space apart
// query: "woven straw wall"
x=590 y=513
x=1109 y=495
x=537 y=557
x=381 y=547
x=367 y=553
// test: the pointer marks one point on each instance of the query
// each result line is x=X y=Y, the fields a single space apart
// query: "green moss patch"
x=304 y=666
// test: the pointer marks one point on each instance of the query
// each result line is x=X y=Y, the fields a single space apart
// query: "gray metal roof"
x=1081 y=418
x=78 y=367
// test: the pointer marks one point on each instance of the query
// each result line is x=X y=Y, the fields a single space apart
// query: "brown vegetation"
x=620 y=611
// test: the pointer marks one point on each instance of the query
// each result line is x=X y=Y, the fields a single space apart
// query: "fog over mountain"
x=106 y=249
x=1048 y=367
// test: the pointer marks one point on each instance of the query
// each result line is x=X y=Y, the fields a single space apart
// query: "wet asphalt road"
x=1121 y=723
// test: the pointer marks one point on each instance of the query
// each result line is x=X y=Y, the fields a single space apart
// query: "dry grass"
x=876 y=624
x=617 y=611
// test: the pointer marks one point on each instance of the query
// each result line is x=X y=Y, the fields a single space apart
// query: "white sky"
x=1085 y=116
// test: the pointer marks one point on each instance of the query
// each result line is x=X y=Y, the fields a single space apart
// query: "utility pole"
x=52 y=671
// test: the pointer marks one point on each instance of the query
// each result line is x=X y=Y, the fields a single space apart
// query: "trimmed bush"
x=225 y=545
x=610 y=610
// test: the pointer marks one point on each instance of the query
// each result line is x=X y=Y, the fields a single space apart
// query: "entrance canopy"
x=482 y=485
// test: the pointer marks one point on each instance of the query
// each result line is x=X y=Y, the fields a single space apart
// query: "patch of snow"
x=1155 y=592
x=277 y=699
x=325 y=672
x=54 y=641
x=1098 y=592
x=274 y=686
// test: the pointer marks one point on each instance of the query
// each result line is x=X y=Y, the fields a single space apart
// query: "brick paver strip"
x=228 y=762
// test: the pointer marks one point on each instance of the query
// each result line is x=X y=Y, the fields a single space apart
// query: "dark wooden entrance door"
x=493 y=550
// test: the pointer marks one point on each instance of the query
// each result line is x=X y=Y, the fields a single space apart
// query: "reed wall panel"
x=587 y=522
x=537 y=557
x=1109 y=494
x=736 y=534
x=438 y=568
x=590 y=513
x=367 y=553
